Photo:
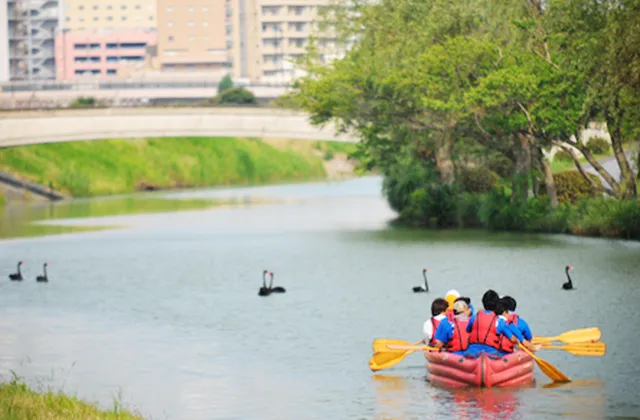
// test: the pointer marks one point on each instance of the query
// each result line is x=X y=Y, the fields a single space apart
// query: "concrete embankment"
x=14 y=185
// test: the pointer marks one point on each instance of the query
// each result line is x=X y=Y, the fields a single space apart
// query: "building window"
x=150 y=17
x=68 y=19
x=170 y=24
x=112 y=72
x=80 y=7
x=109 y=7
x=270 y=10
x=169 y=9
x=170 y=38
x=124 y=18
x=190 y=9
x=95 y=7
x=192 y=38
x=205 y=23
x=123 y=7
x=137 y=7
x=191 y=23
x=95 y=18
x=109 y=18
x=205 y=9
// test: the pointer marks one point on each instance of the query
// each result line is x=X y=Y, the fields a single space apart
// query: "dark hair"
x=499 y=307
x=489 y=299
x=465 y=299
x=509 y=302
x=439 y=306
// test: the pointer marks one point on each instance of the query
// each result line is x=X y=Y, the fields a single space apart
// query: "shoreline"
x=18 y=400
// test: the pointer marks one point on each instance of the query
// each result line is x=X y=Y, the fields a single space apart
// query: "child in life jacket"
x=452 y=336
x=438 y=313
x=485 y=328
x=507 y=305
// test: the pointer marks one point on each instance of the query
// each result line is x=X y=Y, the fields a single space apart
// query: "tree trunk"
x=523 y=165
x=627 y=180
x=444 y=163
x=550 y=183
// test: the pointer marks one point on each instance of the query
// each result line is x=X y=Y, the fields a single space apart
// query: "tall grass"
x=87 y=168
x=17 y=401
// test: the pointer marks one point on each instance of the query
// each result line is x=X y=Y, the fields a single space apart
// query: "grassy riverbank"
x=91 y=168
x=17 y=401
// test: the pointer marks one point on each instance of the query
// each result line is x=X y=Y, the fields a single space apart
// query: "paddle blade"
x=386 y=359
x=582 y=335
x=547 y=368
x=597 y=349
x=380 y=344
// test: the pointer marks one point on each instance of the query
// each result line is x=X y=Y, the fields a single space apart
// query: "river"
x=163 y=312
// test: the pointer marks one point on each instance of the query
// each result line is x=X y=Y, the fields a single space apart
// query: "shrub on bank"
x=478 y=180
x=572 y=187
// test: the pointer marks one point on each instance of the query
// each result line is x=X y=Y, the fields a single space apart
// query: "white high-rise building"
x=4 y=43
x=32 y=26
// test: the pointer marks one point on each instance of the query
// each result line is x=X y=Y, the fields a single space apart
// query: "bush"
x=478 y=180
x=563 y=156
x=235 y=96
x=571 y=186
x=607 y=217
x=83 y=102
x=225 y=83
x=598 y=146
x=501 y=165
x=434 y=206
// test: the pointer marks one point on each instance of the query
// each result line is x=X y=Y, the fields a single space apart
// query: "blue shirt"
x=501 y=328
x=523 y=328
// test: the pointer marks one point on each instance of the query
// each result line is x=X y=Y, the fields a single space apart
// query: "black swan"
x=18 y=275
x=421 y=288
x=266 y=291
x=568 y=285
x=43 y=279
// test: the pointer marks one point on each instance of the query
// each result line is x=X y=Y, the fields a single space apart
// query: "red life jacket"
x=434 y=324
x=507 y=345
x=484 y=330
x=460 y=339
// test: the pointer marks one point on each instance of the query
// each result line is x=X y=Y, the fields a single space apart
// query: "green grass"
x=90 y=168
x=559 y=165
x=18 y=402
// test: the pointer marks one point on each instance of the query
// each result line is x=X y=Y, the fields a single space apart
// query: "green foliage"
x=235 y=96
x=563 y=156
x=225 y=83
x=478 y=180
x=572 y=187
x=598 y=146
x=501 y=165
x=103 y=167
x=607 y=217
x=84 y=102
x=17 y=401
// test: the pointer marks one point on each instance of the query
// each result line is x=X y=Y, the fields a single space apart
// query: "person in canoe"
x=485 y=328
x=439 y=308
x=515 y=322
x=452 y=335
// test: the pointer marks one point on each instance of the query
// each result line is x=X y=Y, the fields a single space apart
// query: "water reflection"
x=485 y=404
x=16 y=218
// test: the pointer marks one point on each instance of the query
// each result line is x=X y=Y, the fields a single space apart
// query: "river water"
x=163 y=312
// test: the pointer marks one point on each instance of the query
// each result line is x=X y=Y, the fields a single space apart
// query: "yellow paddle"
x=581 y=349
x=380 y=344
x=547 y=368
x=574 y=336
x=387 y=357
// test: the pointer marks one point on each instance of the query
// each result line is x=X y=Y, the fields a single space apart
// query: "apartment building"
x=102 y=54
x=32 y=25
x=104 y=38
x=191 y=35
x=4 y=43
x=267 y=36
x=81 y=15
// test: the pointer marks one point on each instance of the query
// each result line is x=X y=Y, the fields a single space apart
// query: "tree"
x=225 y=83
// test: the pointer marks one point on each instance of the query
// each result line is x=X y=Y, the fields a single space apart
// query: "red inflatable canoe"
x=452 y=370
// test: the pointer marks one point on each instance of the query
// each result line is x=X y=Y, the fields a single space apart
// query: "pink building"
x=100 y=53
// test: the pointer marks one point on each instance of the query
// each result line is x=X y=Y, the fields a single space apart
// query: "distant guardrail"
x=123 y=85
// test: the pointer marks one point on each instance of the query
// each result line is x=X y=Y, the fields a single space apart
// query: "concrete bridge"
x=52 y=126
